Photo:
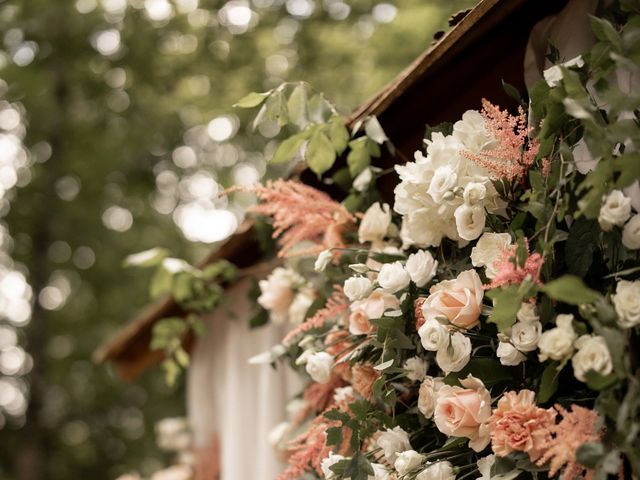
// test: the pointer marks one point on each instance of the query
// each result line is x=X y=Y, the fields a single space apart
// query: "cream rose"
x=428 y=394
x=592 y=354
x=375 y=223
x=415 y=368
x=392 y=442
x=489 y=249
x=509 y=355
x=615 y=210
x=627 y=303
x=319 y=366
x=459 y=300
x=357 y=288
x=631 y=233
x=277 y=293
x=393 y=277
x=465 y=412
x=470 y=221
x=437 y=471
x=421 y=267
x=359 y=323
x=433 y=335
x=408 y=461
x=526 y=335
x=557 y=343
x=455 y=358
x=376 y=304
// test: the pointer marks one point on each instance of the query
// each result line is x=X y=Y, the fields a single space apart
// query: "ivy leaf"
x=320 y=153
x=570 y=289
x=252 y=100
x=506 y=303
x=548 y=382
x=339 y=134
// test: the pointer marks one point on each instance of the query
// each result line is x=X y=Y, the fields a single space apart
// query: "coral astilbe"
x=514 y=153
x=301 y=213
x=510 y=271
x=336 y=306
x=576 y=428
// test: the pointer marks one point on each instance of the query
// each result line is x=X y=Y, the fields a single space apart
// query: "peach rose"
x=376 y=304
x=359 y=323
x=459 y=300
x=464 y=412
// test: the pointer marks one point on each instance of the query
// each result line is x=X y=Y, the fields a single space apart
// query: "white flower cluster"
x=445 y=194
x=286 y=295
x=524 y=337
x=616 y=212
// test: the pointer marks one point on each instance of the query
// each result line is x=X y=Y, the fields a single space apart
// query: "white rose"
x=434 y=336
x=474 y=193
x=484 y=466
x=393 y=277
x=526 y=335
x=470 y=221
x=592 y=354
x=408 y=461
x=300 y=305
x=488 y=249
x=363 y=180
x=416 y=369
x=627 y=303
x=428 y=394
x=393 y=442
x=324 y=258
x=458 y=358
x=444 y=180
x=421 y=267
x=277 y=294
x=375 y=223
x=357 y=288
x=319 y=367
x=615 y=210
x=329 y=462
x=509 y=355
x=437 y=471
x=631 y=233
x=528 y=313
x=380 y=472
x=557 y=343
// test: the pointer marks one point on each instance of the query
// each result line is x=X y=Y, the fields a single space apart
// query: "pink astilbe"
x=515 y=151
x=510 y=271
x=576 y=428
x=302 y=213
x=336 y=307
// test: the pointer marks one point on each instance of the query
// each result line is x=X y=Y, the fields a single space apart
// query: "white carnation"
x=437 y=471
x=459 y=356
x=421 y=267
x=375 y=223
x=357 y=288
x=592 y=354
x=615 y=210
x=526 y=335
x=631 y=233
x=434 y=336
x=488 y=249
x=393 y=277
x=319 y=367
x=470 y=221
x=416 y=369
x=408 y=461
x=557 y=343
x=392 y=442
x=626 y=301
x=509 y=355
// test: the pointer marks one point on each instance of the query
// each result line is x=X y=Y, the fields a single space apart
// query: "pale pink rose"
x=464 y=412
x=459 y=300
x=359 y=323
x=376 y=304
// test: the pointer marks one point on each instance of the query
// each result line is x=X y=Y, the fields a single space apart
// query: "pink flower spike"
x=509 y=272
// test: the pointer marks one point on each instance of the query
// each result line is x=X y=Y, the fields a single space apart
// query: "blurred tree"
x=116 y=133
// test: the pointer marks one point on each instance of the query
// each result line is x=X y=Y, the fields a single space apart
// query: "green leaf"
x=512 y=91
x=583 y=240
x=182 y=357
x=289 y=147
x=605 y=31
x=259 y=319
x=570 y=289
x=160 y=283
x=252 y=100
x=598 y=382
x=589 y=454
x=359 y=157
x=374 y=130
x=339 y=134
x=297 y=106
x=506 y=303
x=320 y=153
x=629 y=167
x=548 y=382
x=359 y=468
x=334 y=436
x=148 y=258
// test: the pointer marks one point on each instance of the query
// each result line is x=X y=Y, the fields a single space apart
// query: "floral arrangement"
x=483 y=323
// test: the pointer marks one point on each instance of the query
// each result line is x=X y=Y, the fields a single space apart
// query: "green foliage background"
x=111 y=138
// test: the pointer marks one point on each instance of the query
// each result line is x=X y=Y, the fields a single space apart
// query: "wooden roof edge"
x=380 y=101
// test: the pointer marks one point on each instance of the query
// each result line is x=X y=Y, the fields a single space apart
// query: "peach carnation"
x=517 y=424
x=363 y=378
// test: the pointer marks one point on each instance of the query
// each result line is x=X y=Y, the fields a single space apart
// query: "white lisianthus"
x=421 y=267
x=471 y=132
x=526 y=335
x=444 y=181
x=437 y=471
x=357 y=288
x=470 y=221
x=434 y=336
x=615 y=210
x=392 y=442
x=592 y=354
x=416 y=368
x=408 y=461
x=375 y=223
x=324 y=258
x=484 y=466
x=329 y=462
x=509 y=355
x=459 y=356
x=380 y=472
x=528 y=313
x=626 y=301
x=631 y=233
x=488 y=249
x=363 y=180
x=428 y=394
x=300 y=305
x=557 y=343
x=393 y=277
x=474 y=193
x=319 y=366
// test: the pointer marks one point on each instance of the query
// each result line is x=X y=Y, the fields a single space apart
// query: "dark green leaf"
x=506 y=303
x=570 y=289
x=548 y=382
x=583 y=240
x=589 y=454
